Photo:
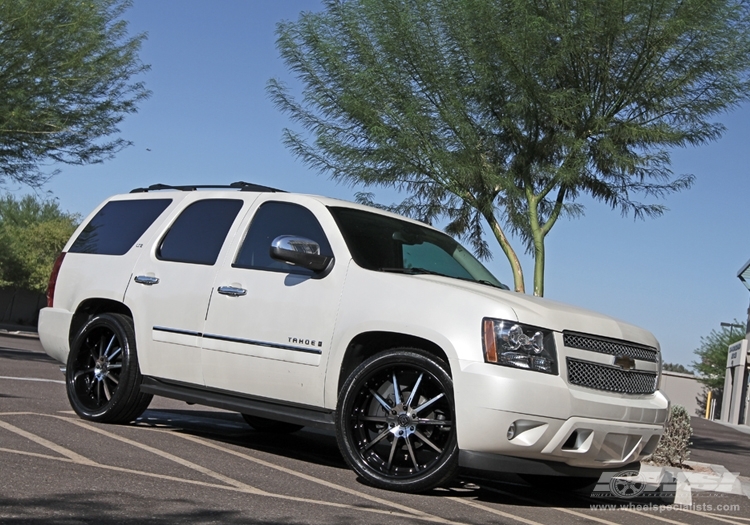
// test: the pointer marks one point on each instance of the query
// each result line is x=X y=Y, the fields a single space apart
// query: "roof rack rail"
x=239 y=185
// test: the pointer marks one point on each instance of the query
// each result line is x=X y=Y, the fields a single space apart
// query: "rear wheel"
x=395 y=421
x=102 y=376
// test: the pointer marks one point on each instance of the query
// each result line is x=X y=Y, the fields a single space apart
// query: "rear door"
x=171 y=287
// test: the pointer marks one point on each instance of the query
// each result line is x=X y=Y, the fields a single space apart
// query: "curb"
x=717 y=479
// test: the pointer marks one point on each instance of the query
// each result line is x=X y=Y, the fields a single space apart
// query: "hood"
x=554 y=315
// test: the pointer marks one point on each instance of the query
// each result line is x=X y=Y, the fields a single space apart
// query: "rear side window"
x=118 y=225
x=199 y=232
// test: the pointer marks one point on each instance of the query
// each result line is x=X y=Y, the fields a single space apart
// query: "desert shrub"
x=673 y=449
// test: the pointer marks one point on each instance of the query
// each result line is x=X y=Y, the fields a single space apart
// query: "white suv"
x=298 y=310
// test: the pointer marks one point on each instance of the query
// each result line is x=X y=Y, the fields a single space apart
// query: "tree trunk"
x=515 y=264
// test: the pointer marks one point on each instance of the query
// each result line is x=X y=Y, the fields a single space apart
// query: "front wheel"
x=395 y=422
x=102 y=376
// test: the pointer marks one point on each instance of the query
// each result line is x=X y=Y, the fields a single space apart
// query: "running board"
x=253 y=406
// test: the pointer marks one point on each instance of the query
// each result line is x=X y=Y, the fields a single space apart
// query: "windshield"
x=385 y=244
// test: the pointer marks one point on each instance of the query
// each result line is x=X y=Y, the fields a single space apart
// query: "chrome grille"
x=609 y=346
x=610 y=378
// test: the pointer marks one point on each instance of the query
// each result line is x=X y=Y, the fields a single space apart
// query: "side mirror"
x=299 y=251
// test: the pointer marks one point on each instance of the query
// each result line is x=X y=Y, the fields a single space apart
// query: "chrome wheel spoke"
x=113 y=378
x=434 y=422
x=380 y=400
x=414 y=390
x=98 y=392
x=377 y=440
x=428 y=403
x=119 y=349
x=109 y=346
x=116 y=365
x=393 y=451
x=396 y=393
x=107 y=393
x=428 y=442
x=411 y=454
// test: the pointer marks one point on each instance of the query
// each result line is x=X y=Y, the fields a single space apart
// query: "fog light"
x=511 y=431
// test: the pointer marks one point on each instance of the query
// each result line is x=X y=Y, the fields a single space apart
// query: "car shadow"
x=320 y=448
x=24 y=355
x=309 y=445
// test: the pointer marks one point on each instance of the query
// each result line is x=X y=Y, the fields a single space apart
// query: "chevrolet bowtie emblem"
x=624 y=362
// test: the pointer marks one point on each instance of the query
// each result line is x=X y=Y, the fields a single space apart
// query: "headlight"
x=516 y=345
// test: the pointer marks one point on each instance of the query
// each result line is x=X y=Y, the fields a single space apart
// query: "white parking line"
x=654 y=517
x=34 y=379
x=721 y=516
x=234 y=485
x=165 y=455
x=76 y=458
x=711 y=516
x=559 y=509
x=476 y=505
x=307 y=477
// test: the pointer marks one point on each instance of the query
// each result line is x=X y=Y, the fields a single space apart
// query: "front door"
x=270 y=324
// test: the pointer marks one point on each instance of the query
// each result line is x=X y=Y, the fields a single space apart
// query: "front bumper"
x=552 y=421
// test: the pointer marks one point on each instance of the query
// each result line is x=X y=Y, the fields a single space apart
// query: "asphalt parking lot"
x=193 y=464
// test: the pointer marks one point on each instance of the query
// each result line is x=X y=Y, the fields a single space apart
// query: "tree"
x=506 y=112
x=32 y=234
x=675 y=367
x=65 y=70
x=712 y=353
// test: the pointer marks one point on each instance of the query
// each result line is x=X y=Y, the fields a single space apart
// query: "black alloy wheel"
x=396 y=421
x=102 y=375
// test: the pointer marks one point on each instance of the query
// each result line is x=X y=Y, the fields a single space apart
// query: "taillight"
x=53 y=279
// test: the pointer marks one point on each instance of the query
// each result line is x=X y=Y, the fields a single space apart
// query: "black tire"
x=102 y=376
x=411 y=446
x=270 y=426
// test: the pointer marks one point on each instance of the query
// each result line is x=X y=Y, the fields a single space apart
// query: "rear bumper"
x=54 y=330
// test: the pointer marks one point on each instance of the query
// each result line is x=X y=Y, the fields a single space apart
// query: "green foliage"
x=673 y=449
x=675 y=367
x=712 y=354
x=32 y=234
x=65 y=68
x=505 y=112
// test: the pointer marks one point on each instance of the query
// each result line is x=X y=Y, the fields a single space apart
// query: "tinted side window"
x=118 y=225
x=271 y=220
x=199 y=232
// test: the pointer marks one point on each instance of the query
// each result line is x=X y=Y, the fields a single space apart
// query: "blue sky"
x=210 y=120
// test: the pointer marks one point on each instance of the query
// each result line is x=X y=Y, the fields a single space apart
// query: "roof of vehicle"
x=252 y=187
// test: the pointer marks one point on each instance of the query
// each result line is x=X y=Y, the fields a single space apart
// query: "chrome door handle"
x=231 y=291
x=146 y=279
